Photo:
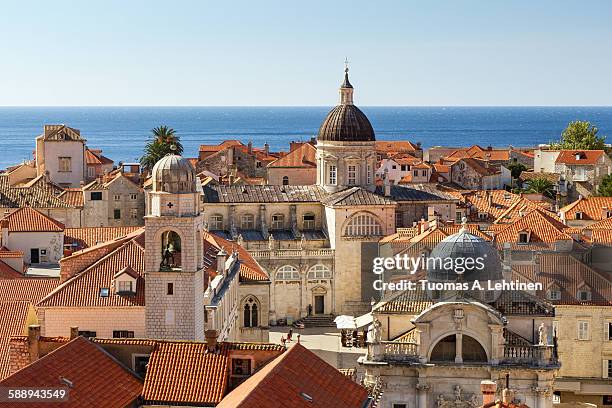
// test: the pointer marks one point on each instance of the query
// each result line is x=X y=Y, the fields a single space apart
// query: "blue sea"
x=121 y=131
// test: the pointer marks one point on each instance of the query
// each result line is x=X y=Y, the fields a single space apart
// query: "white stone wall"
x=53 y=242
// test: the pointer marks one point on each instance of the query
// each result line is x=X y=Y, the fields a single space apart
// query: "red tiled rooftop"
x=592 y=208
x=303 y=156
x=90 y=236
x=578 y=157
x=27 y=219
x=96 y=379
x=297 y=378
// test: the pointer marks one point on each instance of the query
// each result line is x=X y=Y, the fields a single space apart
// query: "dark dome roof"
x=346 y=123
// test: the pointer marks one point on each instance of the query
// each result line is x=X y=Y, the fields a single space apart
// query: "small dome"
x=453 y=252
x=174 y=174
x=346 y=123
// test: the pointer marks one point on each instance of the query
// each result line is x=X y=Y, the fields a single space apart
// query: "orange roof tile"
x=96 y=380
x=297 y=378
x=578 y=157
x=493 y=203
x=7 y=272
x=7 y=253
x=94 y=157
x=26 y=289
x=592 y=208
x=204 y=382
x=222 y=146
x=250 y=270
x=522 y=207
x=477 y=152
x=14 y=317
x=30 y=220
x=395 y=146
x=83 y=290
x=90 y=236
x=479 y=166
x=303 y=156
x=541 y=226
x=73 y=197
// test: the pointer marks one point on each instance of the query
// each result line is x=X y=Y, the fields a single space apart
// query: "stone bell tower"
x=174 y=275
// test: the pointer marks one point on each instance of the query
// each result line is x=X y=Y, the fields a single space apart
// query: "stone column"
x=263 y=223
x=422 y=389
x=541 y=397
x=293 y=221
x=459 y=348
x=232 y=221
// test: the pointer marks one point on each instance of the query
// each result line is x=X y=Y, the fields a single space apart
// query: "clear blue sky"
x=290 y=53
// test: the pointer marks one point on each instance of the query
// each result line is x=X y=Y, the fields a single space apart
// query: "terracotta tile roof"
x=90 y=236
x=38 y=193
x=541 y=226
x=479 y=166
x=355 y=196
x=523 y=206
x=14 y=317
x=26 y=289
x=61 y=133
x=83 y=290
x=222 y=146
x=169 y=381
x=386 y=146
x=406 y=160
x=520 y=303
x=262 y=194
x=421 y=165
x=256 y=346
x=592 y=208
x=297 y=378
x=441 y=168
x=7 y=253
x=97 y=380
x=408 y=301
x=30 y=220
x=250 y=270
x=568 y=275
x=72 y=196
x=492 y=203
x=478 y=152
x=7 y=272
x=578 y=157
x=94 y=157
x=303 y=156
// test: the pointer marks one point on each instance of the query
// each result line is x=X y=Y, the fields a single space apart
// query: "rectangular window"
x=104 y=292
x=123 y=334
x=400 y=405
x=133 y=197
x=399 y=217
x=117 y=214
x=578 y=215
x=369 y=174
x=416 y=173
x=87 y=333
x=278 y=222
x=216 y=222
x=124 y=286
x=65 y=164
x=609 y=334
x=394 y=167
x=352 y=175
x=95 y=195
x=555 y=327
x=609 y=373
x=404 y=167
x=117 y=197
x=170 y=288
x=133 y=213
x=309 y=222
x=140 y=365
x=91 y=172
x=332 y=174
x=583 y=330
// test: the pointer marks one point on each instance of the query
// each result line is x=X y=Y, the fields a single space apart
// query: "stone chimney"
x=211 y=340
x=74 y=332
x=266 y=148
x=33 y=339
x=221 y=259
x=604 y=213
x=250 y=147
x=507 y=393
x=488 y=389
x=489 y=198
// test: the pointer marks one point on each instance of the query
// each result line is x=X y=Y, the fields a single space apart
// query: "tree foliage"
x=541 y=186
x=580 y=135
x=605 y=188
x=163 y=141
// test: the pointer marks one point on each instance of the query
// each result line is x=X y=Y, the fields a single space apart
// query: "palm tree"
x=541 y=186
x=163 y=141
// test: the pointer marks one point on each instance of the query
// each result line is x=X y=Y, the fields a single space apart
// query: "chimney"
x=74 y=332
x=431 y=214
x=33 y=339
x=221 y=258
x=488 y=389
x=266 y=148
x=250 y=147
x=604 y=213
x=489 y=198
x=211 y=340
x=507 y=393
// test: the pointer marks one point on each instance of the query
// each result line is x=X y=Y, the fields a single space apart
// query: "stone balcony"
x=536 y=355
x=292 y=253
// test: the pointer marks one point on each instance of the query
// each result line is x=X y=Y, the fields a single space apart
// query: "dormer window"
x=125 y=287
x=553 y=294
x=523 y=237
x=125 y=281
x=579 y=215
x=584 y=294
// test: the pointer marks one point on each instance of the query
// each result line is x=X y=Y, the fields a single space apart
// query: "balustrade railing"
x=293 y=253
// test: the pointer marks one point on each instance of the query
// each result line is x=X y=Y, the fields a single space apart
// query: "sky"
x=289 y=53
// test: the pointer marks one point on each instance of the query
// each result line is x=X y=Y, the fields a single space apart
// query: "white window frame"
x=369 y=174
x=247 y=221
x=351 y=174
x=309 y=224
x=130 y=288
x=319 y=271
x=584 y=330
x=287 y=272
x=363 y=225
x=278 y=222
x=333 y=174
x=215 y=222
x=64 y=164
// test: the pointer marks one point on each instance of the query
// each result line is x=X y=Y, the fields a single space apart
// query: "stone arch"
x=380 y=230
x=287 y=272
x=465 y=333
x=319 y=271
x=250 y=311
x=169 y=241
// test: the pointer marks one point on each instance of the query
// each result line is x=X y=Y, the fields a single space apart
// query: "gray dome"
x=174 y=174
x=346 y=123
x=486 y=264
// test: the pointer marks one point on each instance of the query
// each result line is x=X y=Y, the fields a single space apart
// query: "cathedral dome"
x=174 y=174
x=346 y=122
x=448 y=261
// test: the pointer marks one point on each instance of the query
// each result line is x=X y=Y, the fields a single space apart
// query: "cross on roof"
x=346 y=64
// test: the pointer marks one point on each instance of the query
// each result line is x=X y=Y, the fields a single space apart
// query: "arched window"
x=362 y=225
x=287 y=272
x=445 y=350
x=285 y=180
x=216 y=222
x=247 y=222
x=170 y=251
x=319 y=272
x=472 y=351
x=308 y=221
x=278 y=222
x=251 y=317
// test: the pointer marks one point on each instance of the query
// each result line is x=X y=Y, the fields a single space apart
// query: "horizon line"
x=302 y=106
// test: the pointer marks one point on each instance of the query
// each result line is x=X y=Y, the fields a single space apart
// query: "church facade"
x=317 y=241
